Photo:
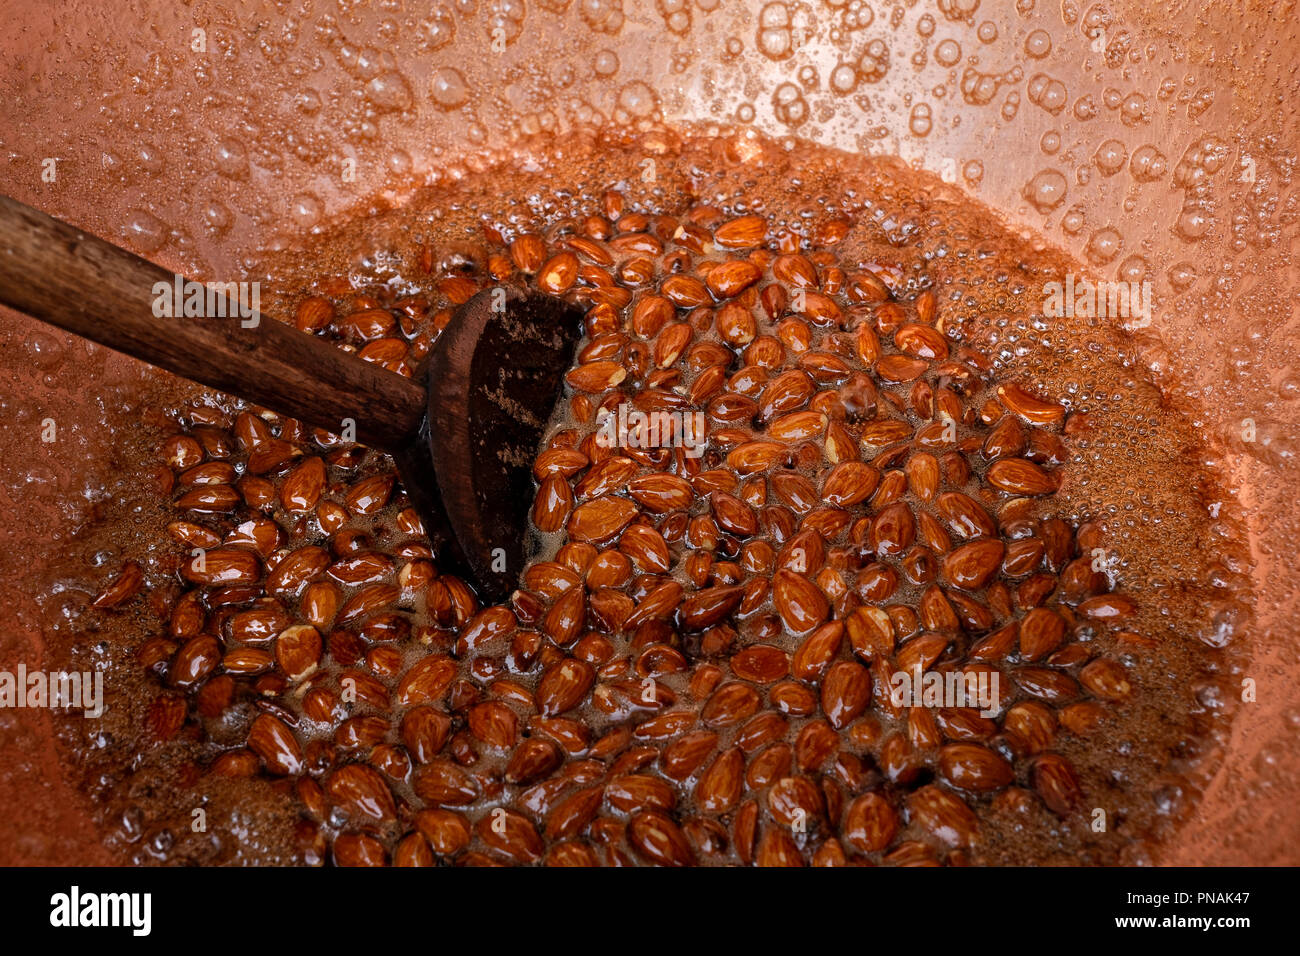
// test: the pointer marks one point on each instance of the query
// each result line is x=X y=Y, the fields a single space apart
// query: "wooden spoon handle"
x=92 y=288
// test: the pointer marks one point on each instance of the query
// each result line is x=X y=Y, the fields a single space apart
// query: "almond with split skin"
x=1036 y=411
x=125 y=585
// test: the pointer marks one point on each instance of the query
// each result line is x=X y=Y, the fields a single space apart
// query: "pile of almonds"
x=697 y=669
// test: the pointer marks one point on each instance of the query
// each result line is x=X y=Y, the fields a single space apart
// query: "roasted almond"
x=746 y=232
x=798 y=601
x=558 y=274
x=601 y=519
x=732 y=277
x=973 y=565
x=944 y=815
x=850 y=483
x=973 y=767
x=1054 y=780
x=528 y=251
x=1019 y=476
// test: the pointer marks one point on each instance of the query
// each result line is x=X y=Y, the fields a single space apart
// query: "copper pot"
x=1152 y=143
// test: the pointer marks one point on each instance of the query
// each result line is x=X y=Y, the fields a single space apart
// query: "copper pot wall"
x=1154 y=141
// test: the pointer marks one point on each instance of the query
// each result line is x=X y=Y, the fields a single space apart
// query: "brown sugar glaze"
x=782 y=783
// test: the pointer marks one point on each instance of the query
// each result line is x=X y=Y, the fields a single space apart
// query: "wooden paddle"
x=463 y=433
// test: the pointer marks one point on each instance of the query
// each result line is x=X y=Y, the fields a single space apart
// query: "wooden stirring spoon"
x=464 y=445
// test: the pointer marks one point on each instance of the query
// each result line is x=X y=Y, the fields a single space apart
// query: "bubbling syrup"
x=1138 y=495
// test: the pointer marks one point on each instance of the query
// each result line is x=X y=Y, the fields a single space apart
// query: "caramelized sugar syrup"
x=1141 y=470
